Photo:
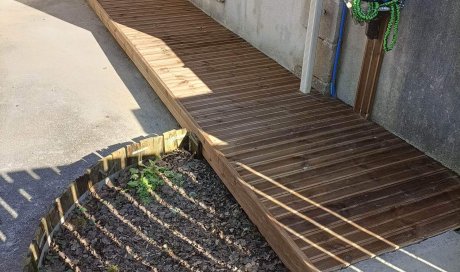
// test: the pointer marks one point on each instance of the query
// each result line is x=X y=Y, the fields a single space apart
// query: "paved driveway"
x=67 y=94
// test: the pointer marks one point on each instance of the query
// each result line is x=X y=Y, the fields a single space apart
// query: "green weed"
x=148 y=178
x=113 y=268
x=81 y=209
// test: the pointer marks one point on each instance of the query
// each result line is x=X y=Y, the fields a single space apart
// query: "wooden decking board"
x=160 y=16
x=325 y=187
x=441 y=222
x=246 y=105
x=345 y=204
x=294 y=175
x=360 y=213
x=280 y=120
x=293 y=146
x=302 y=149
x=244 y=146
x=392 y=221
x=161 y=55
x=310 y=158
x=194 y=34
x=242 y=114
x=250 y=134
x=259 y=108
x=155 y=55
x=149 y=25
x=195 y=40
x=386 y=221
x=277 y=88
x=341 y=169
x=187 y=53
x=385 y=228
x=319 y=188
x=250 y=97
x=339 y=246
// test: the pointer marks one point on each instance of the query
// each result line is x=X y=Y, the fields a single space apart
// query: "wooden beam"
x=314 y=17
x=370 y=69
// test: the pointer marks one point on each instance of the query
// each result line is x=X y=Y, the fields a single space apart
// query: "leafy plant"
x=176 y=178
x=81 y=209
x=113 y=268
x=148 y=177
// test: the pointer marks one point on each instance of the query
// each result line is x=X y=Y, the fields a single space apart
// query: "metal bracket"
x=373 y=28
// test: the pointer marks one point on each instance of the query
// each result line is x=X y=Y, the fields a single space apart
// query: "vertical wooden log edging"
x=94 y=178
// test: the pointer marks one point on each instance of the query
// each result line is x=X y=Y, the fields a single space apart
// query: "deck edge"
x=279 y=239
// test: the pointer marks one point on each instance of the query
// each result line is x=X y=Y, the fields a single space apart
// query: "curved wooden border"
x=95 y=177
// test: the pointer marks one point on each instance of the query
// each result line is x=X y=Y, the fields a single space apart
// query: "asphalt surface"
x=68 y=94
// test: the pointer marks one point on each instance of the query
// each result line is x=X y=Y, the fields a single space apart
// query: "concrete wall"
x=278 y=28
x=275 y=27
x=418 y=95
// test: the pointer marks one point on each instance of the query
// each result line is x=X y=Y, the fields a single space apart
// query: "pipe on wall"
x=335 y=68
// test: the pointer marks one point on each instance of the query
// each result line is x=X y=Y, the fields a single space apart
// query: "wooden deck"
x=325 y=187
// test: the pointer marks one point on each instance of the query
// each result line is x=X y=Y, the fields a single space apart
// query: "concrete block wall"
x=327 y=44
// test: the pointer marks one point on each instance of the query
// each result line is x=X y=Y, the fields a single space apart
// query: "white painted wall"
x=276 y=27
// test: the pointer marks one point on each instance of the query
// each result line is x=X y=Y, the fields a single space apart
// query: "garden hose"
x=372 y=12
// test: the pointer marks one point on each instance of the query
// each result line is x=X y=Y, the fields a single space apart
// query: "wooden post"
x=311 y=40
x=370 y=69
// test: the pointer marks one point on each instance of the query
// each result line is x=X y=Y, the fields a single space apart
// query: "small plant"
x=149 y=177
x=113 y=268
x=81 y=209
x=176 y=178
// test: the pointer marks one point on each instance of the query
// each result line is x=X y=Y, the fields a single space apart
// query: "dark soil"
x=194 y=227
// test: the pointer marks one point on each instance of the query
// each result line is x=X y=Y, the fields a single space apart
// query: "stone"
x=325 y=53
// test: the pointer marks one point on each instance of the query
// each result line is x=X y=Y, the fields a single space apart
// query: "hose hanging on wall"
x=373 y=9
x=333 y=91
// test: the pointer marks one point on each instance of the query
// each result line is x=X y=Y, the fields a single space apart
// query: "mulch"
x=197 y=226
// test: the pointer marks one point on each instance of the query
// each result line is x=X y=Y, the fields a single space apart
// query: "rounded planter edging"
x=94 y=177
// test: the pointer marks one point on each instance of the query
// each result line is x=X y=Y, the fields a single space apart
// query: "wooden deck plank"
x=325 y=187
x=384 y=228
x=363 y=209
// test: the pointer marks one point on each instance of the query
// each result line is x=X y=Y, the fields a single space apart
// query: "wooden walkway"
x=325 y=187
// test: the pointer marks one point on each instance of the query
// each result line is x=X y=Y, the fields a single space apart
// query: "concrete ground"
x=67 y=94
x=437 y=254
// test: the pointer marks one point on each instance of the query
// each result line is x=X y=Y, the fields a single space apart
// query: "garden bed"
x=186 y=220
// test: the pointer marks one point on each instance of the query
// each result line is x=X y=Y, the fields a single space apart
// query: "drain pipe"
x=343 y=19
x=311 y=40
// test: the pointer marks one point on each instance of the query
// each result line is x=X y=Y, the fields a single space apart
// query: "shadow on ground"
x=79 y=14
x=20 y=212
x=27 y=190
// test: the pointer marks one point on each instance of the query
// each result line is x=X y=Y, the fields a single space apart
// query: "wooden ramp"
x=325 y=187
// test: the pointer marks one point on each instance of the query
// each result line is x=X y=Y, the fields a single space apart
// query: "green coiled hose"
x=371 y=14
